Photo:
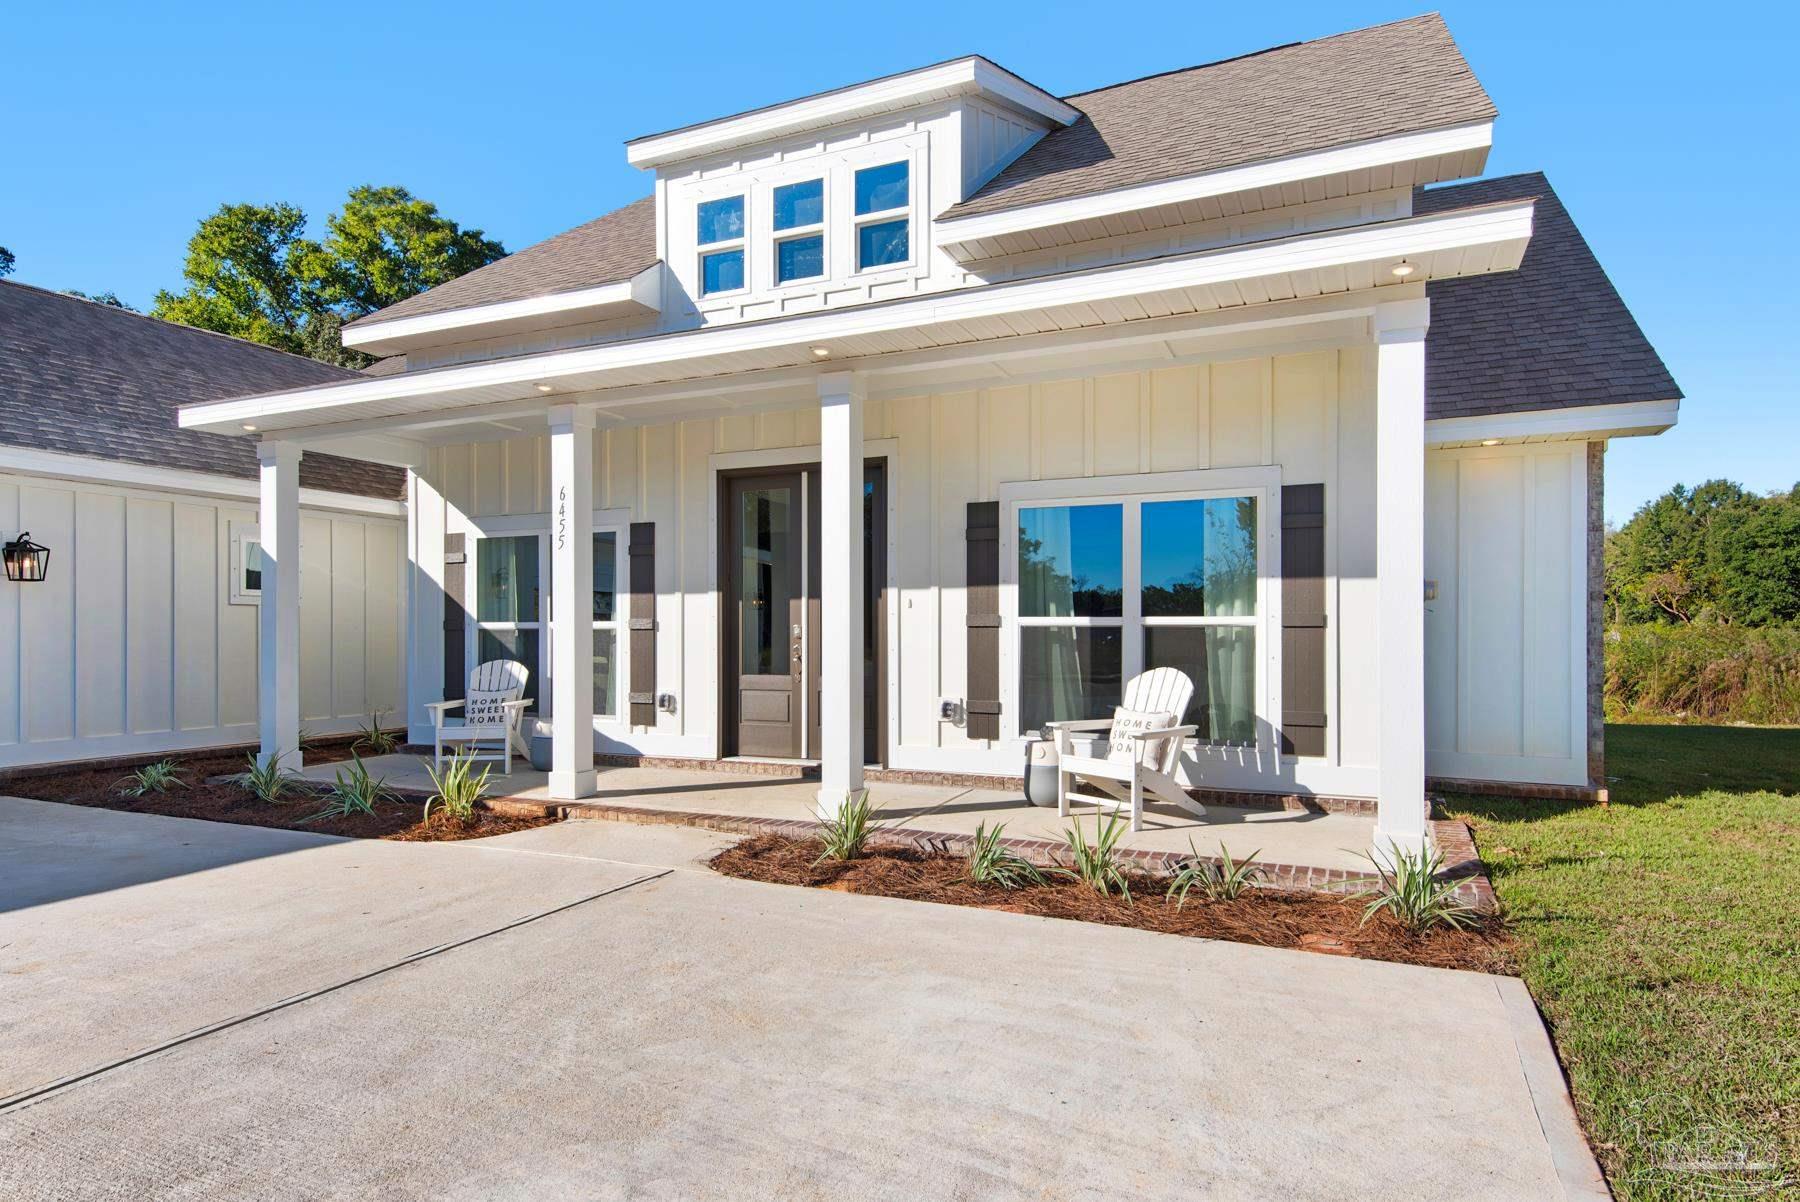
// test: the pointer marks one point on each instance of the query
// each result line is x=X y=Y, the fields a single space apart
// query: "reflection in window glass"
x=721 y=220
x=882 y=243
x=252 y=566
x=879 y=189
x=1067 y=673
x=506 y=581
x=799 y=259
x=606 y=676
x=766 y=593
x=1199 y=558
x=606 y=572
x=1071 y=561
x=800 y=204
x=722 y=271
x=1221 y=661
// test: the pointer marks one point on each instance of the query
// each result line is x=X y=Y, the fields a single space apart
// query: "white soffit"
x=1446 y=245
x=1575 y=422
x=641 y=293
x=1404 y=160
x=959 y=77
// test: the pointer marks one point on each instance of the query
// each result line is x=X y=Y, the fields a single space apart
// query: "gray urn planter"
x=1040 y=772
x=540 y=752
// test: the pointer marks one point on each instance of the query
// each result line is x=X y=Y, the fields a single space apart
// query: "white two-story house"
x=899 y=420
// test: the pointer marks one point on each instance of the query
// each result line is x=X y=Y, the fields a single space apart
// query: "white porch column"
x=571 y=602
x=278 y=649
x=840 y=588
x=1400 y=569
x=424 y=600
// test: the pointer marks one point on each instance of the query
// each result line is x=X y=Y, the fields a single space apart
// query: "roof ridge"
x=1071 y=97
x=179 y=325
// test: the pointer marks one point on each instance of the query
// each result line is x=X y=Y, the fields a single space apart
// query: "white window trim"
x=616 y=522
x=741 y=244
x=242 y=533
x=818 y=229
x=1264 y=483
x=903 y=212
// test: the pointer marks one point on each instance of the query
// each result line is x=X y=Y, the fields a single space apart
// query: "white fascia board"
x=961 y=76
x=1359 y=156
x=640 y=293
x=1411 y=237
x=1623 y=420
x=55 y=465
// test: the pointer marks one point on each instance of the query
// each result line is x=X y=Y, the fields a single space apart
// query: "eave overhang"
x=973 y=75
x=1455 y=243
x=640 y=294
x=1561 y=423
x=1401 y=161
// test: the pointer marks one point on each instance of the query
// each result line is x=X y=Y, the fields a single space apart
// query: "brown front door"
x=764 y=598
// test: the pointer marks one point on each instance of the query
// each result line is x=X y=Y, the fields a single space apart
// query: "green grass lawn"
x=1661 y=936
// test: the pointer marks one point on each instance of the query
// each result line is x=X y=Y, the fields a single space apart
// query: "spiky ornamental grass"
x=269 y=780
x=1221 y=881
x=993 y=863
x=459 y=790
x=1098 y=865
x=376 y=741
x=354 y=792
x=1411 y=892
x=159 y=777
x=845 y=834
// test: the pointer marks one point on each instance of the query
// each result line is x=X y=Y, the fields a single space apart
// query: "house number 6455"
x=562 y=518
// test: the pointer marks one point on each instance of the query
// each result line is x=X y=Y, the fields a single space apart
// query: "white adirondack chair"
x=492 y=711
x=1135 y=762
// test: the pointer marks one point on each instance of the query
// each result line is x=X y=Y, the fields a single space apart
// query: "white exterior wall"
x=132 y=644
x=1309 y=412
x=1506 y=636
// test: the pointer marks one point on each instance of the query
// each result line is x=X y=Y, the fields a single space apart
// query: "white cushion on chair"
x=1122 y=748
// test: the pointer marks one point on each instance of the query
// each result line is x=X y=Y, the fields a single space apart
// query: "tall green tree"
x=6 y=261
x=251 y=270
x=1717 y=552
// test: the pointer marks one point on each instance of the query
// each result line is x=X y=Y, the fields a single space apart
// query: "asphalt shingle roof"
x=1551 y=335
x=606 y=250
x=82 y=378
x=1371 y=83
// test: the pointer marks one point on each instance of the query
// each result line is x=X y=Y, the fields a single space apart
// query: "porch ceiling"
x=617 y=376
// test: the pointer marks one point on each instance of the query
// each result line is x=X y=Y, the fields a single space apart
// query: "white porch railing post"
x=841 y=588
x=1400 y=328
x=278 y=647
x=571 y=602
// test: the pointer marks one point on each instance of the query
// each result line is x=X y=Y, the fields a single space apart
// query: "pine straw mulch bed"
x=223 y=801
x=1270 y=917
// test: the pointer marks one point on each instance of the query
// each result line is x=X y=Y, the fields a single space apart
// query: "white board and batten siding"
x=133 y=644
x=1506 y=634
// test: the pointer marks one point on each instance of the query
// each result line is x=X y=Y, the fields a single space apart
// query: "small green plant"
x=992 y=863
x=846 y=833
x=1098 y=864
x=458 y=789
x=1411 y=892
x=1222 y=880
x=375 y=740
x=270 y=781
x=305 y=741
x=152 y=778
x=353 y=792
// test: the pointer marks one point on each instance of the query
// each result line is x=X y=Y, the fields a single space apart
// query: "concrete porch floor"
x=1328 y=841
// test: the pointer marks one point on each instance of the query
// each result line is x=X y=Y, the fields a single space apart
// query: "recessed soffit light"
x=1402 y=269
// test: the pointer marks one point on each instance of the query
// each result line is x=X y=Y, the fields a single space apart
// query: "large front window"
x=512 y=611
x=1109 y=590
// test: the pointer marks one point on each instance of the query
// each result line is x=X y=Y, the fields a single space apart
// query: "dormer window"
x=721 y=233
x=883 y=216
x=799 y=231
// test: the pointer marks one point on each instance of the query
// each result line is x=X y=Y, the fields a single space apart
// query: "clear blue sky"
x=1668 y=130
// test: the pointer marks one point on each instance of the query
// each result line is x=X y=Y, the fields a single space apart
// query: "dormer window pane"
x=881 y=188
x=880 y=243
x=800 y=204
x=799 y=258
x=722 y=271
x=721 y=220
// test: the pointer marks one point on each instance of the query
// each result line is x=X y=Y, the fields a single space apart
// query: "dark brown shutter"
x=456 y=669
x=1303 y=619
x=643 y=624
x=982 y=541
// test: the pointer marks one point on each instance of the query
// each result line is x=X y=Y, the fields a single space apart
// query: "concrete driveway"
x=583 y=1011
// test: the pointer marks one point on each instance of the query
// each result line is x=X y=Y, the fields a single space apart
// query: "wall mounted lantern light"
x=25 y=561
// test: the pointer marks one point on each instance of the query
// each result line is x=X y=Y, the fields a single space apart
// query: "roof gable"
x=1550 y=335
x=1354 y=87
x=82 y=378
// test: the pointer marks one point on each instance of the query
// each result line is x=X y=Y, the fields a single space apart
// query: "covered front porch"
x=1298 y=845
